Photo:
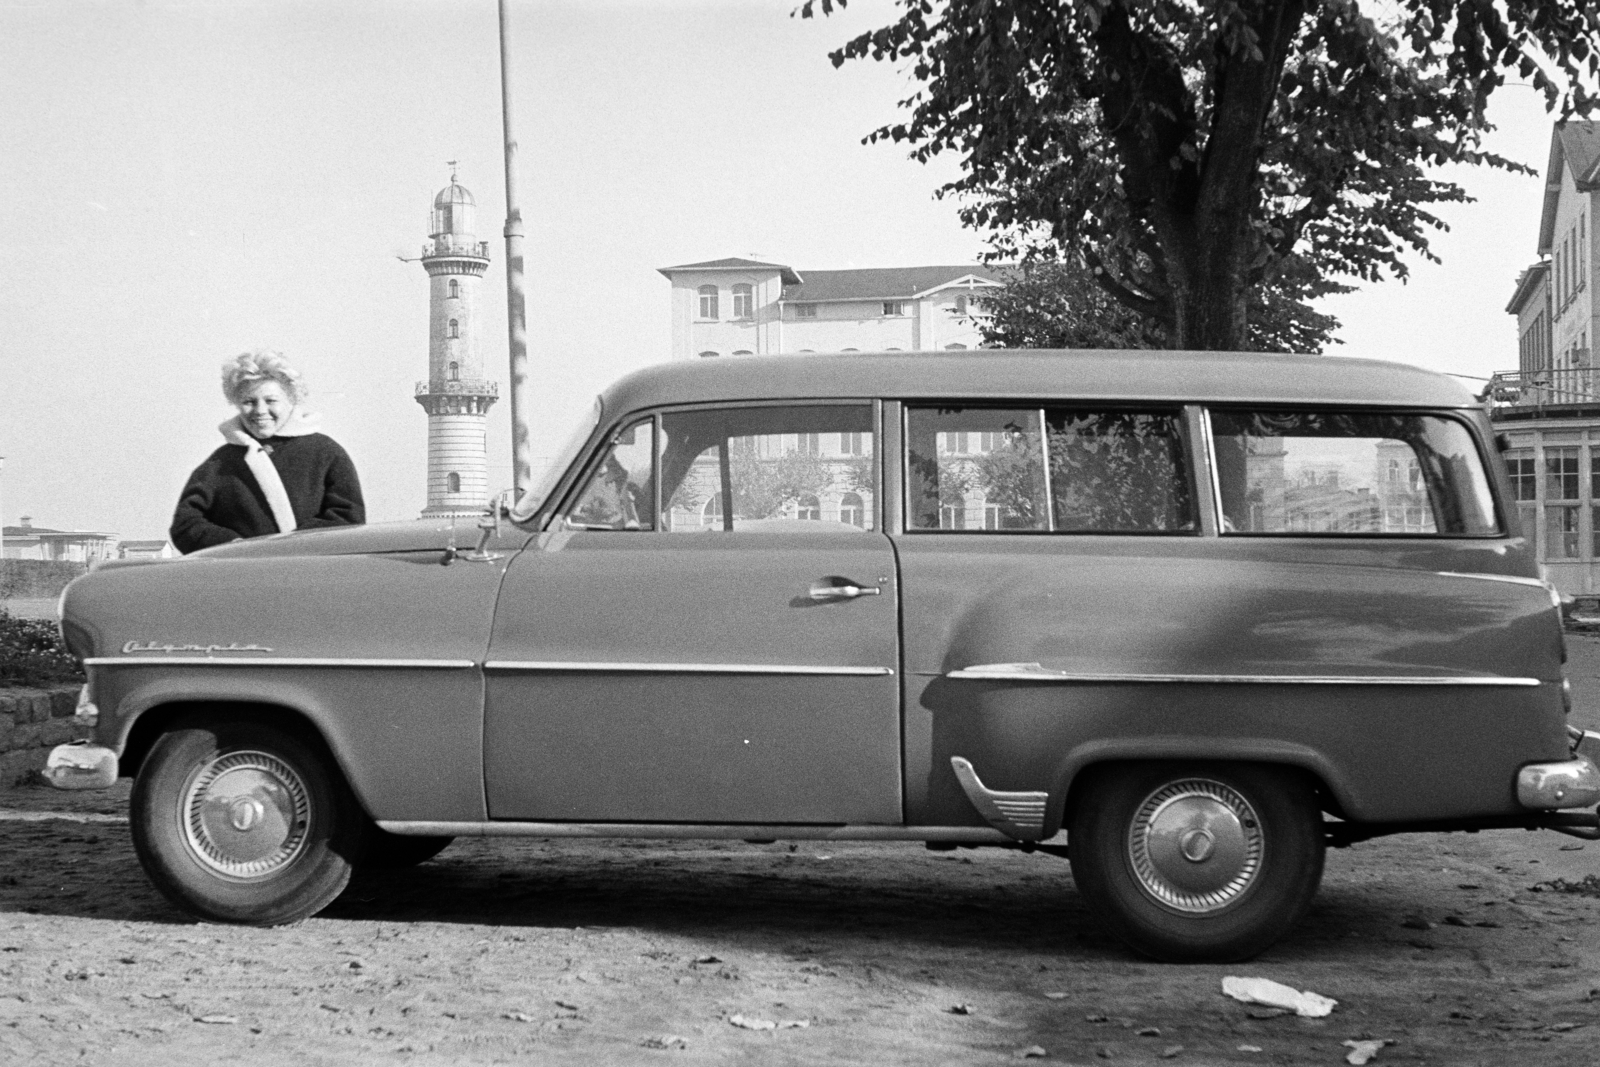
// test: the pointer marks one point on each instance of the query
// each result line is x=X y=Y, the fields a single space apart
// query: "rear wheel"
x=1196 y=862
x=239 y=820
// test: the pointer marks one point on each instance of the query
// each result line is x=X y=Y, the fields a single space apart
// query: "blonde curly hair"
x=248 y=368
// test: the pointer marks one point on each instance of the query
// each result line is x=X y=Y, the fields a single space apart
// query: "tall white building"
x=743 y=307
x=457 y=396
x=1548 y=409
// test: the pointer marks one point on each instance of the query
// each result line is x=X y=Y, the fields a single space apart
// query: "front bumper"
x=81 y=765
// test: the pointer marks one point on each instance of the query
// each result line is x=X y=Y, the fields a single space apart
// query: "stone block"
x=60 y=731
x=19 y=767
x=26 y=735
x=63 y=701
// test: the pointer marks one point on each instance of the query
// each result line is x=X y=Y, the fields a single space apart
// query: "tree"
x=1190 y=151
x=1052 y=303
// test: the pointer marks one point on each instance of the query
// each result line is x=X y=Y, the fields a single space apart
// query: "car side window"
x=1356 y=473
x=804 y=468
x=1053 y=469
x=620 y=493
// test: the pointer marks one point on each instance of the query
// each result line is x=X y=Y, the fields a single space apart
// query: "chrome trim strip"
x=1033 y=672
x=274 y=661
x=977 y=835
x=1515 y=579
x=682 y=668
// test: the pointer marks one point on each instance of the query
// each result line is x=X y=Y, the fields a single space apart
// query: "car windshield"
x=524 y=509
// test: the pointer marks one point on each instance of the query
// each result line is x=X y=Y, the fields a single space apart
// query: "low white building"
x=743 y=307
x=28 y=541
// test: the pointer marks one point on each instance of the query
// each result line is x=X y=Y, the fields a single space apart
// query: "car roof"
x=1010 y=374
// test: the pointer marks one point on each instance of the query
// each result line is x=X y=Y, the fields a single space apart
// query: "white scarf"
x=300 y=423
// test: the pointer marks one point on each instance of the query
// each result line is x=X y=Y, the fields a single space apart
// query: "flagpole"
x=516 y=298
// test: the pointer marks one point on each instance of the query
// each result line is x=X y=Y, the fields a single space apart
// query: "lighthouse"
x=457 y=395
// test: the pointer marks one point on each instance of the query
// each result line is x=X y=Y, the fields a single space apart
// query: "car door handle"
x=841 y=589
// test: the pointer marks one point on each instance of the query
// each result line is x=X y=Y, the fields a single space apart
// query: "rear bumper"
x=1563 y=784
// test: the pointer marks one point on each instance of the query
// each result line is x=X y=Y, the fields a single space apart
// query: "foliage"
x=763 y=485
x=1188 y=152
x=1050 y=303
x=32 y=653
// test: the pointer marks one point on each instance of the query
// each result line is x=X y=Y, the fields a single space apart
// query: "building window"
x=711 y=514
x=809 y=443
x=453 y=482
x=1525 y=479
x=455 y=329
x=809 y=508
x=805 y=311
x=455 y=372
x=708 y=355
x=850 y=444
x=455 y=289
x=894 y=308
x=743 y=302
x=851 y=509
x=961 y=304
x=1561 y=473
x=708 y=301
x=1561 y=532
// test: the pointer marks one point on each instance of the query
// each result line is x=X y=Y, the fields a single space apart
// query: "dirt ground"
x=1455 y=948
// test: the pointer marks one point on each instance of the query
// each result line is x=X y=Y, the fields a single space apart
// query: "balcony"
x=454 y=245
x=459 y=387
x=1557 y=387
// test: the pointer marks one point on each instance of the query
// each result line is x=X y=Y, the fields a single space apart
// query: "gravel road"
x=1458 y=949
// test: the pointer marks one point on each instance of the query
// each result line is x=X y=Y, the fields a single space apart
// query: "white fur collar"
x=301 y=423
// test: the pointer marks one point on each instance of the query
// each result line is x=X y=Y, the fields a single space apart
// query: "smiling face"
x=264 y=408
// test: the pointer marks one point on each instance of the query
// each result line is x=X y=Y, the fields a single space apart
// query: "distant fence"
x=35 y=578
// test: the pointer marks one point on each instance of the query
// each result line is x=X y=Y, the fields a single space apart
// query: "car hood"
x=418 y=535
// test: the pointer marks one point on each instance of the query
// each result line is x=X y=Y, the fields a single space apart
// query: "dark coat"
x=222 y=501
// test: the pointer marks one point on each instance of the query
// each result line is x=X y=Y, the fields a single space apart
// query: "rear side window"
x=1358 y=473
x=1048 y=470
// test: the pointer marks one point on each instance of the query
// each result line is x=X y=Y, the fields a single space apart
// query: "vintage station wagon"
x=1188 y=617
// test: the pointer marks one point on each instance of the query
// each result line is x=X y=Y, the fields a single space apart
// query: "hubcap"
x=246 y=814
x=1195 y=845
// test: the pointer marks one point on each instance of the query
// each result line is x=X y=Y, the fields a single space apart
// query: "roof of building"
x=1528 y=283
x=884 y=283
x=46 y=532
x=733 y=263
x=453 y=194
x=1574 y=147
x=988 y=375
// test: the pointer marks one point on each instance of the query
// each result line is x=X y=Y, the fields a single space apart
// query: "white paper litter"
x=1362 y=1051
x=1277 y=995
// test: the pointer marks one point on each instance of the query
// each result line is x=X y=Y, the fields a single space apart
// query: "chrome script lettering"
x=152 y=646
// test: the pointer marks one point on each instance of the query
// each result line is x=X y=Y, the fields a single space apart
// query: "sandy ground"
x=1453 y=947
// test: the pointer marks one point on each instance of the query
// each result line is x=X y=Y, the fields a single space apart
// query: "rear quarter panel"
x=1229 y=606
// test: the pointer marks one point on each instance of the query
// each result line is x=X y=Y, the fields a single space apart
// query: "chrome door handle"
x=841 y=589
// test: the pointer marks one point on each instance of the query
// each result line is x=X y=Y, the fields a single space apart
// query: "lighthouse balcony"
x=459 y=387
x=449 y=244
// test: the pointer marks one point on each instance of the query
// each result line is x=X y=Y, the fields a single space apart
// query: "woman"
x=275 y=474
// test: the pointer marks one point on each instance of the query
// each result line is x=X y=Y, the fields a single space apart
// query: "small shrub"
x=31 y=653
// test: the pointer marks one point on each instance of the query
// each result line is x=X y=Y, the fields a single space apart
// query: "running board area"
x=1017 y=815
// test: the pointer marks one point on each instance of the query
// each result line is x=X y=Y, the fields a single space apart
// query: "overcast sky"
x=185 y=181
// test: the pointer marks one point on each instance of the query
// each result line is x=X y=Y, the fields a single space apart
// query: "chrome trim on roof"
x=683 y=668
x=1034 y=672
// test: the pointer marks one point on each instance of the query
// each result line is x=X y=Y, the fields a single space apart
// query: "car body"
x=1204 y=612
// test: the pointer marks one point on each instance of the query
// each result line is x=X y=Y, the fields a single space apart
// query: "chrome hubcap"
x=1195 y=846
x=246 y=814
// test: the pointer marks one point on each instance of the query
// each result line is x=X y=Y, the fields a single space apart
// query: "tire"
x=388 y=852
x=238 y=820
x=1196 y=862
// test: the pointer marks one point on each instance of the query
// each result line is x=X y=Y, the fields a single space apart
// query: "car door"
x=708 y=632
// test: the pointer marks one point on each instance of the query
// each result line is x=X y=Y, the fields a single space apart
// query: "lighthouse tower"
x=456 y=395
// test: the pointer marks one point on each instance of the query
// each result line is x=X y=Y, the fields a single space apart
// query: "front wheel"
x=1196 y=862
x=243 y=821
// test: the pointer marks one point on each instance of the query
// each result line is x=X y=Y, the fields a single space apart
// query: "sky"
x=184 y=181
